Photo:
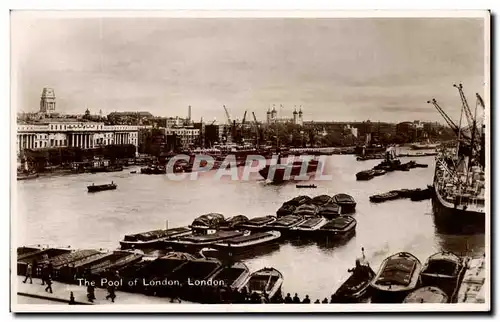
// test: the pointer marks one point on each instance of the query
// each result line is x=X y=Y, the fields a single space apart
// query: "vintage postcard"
x=238 y=161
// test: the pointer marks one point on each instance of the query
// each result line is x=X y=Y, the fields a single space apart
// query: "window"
x=51 y=142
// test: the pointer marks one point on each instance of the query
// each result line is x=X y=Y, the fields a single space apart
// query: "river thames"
x=58 y=211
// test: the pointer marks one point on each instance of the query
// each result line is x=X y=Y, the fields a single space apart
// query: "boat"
x=232 y=223
x=197 y=241
x=240 y=244
x=306 y=210
x=427 y=294
x=338 y=228
x=309 y=227
x=329 y=211
x=420 y=194
x=365 y=175
x=298 y=201
x=356 y=287
x=265 y=283
x=459 y=183
x=285 y=210
x=346 y=202
x=443 y=270
x=379 y=172
x=391 y=195
x=154 y=169
x=306 y=186
x=233 y=276
x=424 y=146
x=398 y=275
x=153 y=238
x=285 y=223
x=321 y=200
x=114 y=168
x=258 y=223
x=101 y=187
x=133 y=171
x=208 y=222
x=473 y=287
x=284 y=172
x=27 y=176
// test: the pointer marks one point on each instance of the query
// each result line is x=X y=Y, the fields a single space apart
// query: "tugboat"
x=427 y=294
x=347 y=203
x=398 y=275
x=355 y=288
x=265 y=283
x=102 y=187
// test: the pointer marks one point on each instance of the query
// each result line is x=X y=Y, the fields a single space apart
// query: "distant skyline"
x=338 y=69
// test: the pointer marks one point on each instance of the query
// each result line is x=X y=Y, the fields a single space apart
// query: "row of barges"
x=175 y=275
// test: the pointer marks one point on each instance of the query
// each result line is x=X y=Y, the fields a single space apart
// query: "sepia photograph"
x=224 y=161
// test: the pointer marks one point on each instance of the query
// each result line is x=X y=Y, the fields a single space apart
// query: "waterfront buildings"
x=272 y=117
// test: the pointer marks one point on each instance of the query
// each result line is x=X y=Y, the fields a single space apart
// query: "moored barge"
x=102 y=187
x=346 y=202
x=338 y=228
x=152 y=239
x=427 y=294
x=258 y=223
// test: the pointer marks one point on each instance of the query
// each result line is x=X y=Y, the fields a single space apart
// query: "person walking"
x=29 y=274
x=111 y=293
x=325 y=301
x=49 y=284
x=91 y=292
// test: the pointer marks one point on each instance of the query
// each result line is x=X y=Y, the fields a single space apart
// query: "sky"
x=337 y=69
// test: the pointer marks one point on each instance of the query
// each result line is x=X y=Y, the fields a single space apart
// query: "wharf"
x=472 y=288
x=61 y=294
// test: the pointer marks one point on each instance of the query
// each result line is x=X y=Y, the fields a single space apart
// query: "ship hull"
x=281 y=174
x=450 y=219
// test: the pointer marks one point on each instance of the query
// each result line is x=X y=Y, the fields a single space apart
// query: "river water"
x=58 y=211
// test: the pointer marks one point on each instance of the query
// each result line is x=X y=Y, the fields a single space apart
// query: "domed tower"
x=301 y=121
x=268 y=115
x=48 y=101
x=274 y=113
x=295 y=119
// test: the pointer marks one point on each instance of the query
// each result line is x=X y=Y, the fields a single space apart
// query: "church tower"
x=268 y=115
x=274 y=114
x=295 y=120
x=48 y=101
x=301 y=121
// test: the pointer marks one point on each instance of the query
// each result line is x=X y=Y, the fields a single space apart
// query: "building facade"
x=85 y=135
x=187 y=136
x=272 y=117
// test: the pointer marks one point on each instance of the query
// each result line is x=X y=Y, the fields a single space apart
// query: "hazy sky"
x=337 y=69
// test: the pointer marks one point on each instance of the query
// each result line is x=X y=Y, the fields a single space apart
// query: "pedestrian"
x=111 y=293
x=325 y=301
x=91 y=292
x=49 y=283
x=288 y=298
x=296 y=298
x=306 y=300
x=71 y=298
x=316 y=302
x=29 y=274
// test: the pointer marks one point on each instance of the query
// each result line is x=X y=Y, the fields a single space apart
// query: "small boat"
x=257 y=223
x=285 y=210
x=329 y=211
x=198 y=241
x=133 y=171
x=154 y=170
x=298 y=201
x=27 y=176
x=321 y=200
x=152 y=239
x=392 y=195
x=379 y=172
x=243 y=243
x=308 y=227
x=398 y=275
x=265 y=283
x=101 y=187
x=346 y=202
x=306 y=186
x=306 y=210
x=365 y=175
x=232 y=222
x=427 y=294
x=285 y=223
x=421 y=165
x=339 y=228
x=233 y=276
x=419 y=194
x=443 y=270
x=355 y=288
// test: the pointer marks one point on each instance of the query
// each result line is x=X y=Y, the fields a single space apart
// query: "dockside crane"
x=465 y=105
x=227 y=115
x=257 y=129
x=448 y=120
